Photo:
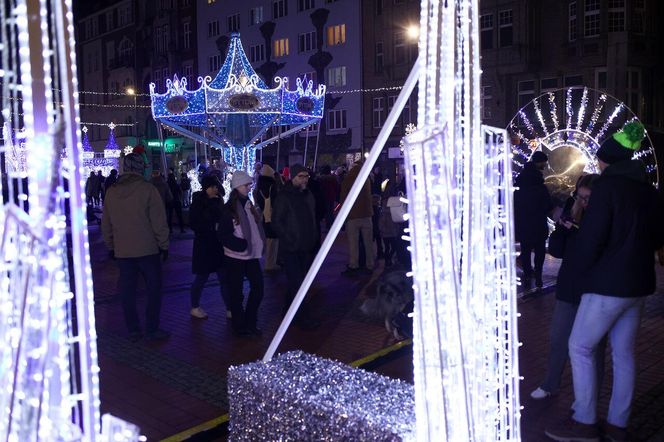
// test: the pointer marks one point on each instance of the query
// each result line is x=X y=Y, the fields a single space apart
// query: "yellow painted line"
x=223 y=419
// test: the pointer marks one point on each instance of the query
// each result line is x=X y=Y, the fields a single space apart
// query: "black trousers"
x=527 y=248
x=150 y=267
x=296 y=265
x=197 y=288
x=236 y=270
x=177 y=207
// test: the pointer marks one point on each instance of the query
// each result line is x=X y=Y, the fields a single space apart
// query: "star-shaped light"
x=111 y=126
x=85 y=129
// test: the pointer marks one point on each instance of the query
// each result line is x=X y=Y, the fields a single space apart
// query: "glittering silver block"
x=298 y=396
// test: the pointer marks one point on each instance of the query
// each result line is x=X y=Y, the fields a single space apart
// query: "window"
x=574 y=80
x=186 y=3
x=336 y=119
x=279 y=8
x=548 y=84
x=486 y=94
x=378 y=112
x=257 y=53
x=303 y=5
x=165 y=36
x=336 y=77
x=486 y=31
x=400 y=47
x=306 y=76
x=379 y=60
x=166 y=74
x=281 y=47
x=210 y=2
x=526 y=92
x=616 y=15
x=110 y=52
x=215 y=63
x=307 y=41
x=407 y=114
x=188 y=73
x=156 y=79
x=638 y=17
x=256 y=15
x=390 y=104
x=506 y=30
x=571 y=22
x=213 y=28
x=336 y=35
x=109 y=21
x=234 y=23
x=601 y=79
x=633 y=90
x=124 y=15
x=379 y=7
x=591 y=19
x=125 y=50
x=186 y=35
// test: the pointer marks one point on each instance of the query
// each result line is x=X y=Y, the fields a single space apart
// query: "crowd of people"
x=607 y=235
x=271 y=222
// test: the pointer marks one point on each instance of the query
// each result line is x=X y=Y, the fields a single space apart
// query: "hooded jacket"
x=134 y=219
x=204 y=218
x=532 y=204
x=620 y=231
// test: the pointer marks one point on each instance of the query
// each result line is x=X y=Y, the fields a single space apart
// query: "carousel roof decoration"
x=575 y=117
x=236 y=108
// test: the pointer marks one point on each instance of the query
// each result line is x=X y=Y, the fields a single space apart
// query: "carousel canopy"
x=237 y=104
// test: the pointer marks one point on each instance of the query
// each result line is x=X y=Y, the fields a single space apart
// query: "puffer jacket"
x=134 y=219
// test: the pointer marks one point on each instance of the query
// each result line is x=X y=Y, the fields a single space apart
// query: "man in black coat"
x=532 y=204
x=294 y=220
x=614 y=256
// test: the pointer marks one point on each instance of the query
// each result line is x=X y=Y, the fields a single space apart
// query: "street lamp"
x=132 y=92
x=413 y=32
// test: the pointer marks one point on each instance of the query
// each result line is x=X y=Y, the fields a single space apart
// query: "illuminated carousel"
x=569 y=125
x=236 y=112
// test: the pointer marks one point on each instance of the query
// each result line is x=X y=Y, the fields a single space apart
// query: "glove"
x=111 y=254
x=164 y=254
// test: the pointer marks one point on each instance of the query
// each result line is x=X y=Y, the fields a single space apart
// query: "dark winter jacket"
x=620 y=231
x=294 y=220
x=204 y=218
x=532 y=204
x=568 y=285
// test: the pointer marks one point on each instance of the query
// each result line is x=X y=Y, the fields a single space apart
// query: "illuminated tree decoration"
x=112 y=150
x=460 y=203
x=569 y=125
x=234 y=110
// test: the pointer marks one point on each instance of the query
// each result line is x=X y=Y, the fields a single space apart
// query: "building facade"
x=316 y=39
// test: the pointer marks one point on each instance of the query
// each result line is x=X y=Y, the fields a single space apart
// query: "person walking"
x=207 y=255
x=101 y=179
x=265 y=196
x=294 y=220
x=532 y=204
x=111 y=179
x=614 y=252
x=358 y=223
x=90 y=188
x=136 y=234
x=568 y=290
x=243 y=239
x=330 y=189
x=185 y=187
x=159 y=183
x=176 y=202
x=388 y=228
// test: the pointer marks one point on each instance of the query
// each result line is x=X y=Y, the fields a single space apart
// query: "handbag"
x=397 y=207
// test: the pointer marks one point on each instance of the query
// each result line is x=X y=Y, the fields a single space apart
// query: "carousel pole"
x=317 y=139
x=278 y=143
x=306 y=146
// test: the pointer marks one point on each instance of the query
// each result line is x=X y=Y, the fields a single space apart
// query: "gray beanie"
x=133 y=162
x=240 y=178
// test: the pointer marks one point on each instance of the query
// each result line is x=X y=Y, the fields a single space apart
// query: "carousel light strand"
x=609 y=121
x=595 y=116
x=554 y=110
x=582 y=108
x=568 y=108
x=540 y=117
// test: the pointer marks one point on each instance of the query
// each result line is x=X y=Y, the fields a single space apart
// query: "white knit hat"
x=240 y=178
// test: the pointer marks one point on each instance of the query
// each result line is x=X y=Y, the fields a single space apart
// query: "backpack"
x=267 y=208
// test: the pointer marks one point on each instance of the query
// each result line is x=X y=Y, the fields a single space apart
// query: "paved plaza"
x=177 y=388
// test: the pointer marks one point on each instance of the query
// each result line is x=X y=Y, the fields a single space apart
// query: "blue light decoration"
x=234 y=110
x=87 y=147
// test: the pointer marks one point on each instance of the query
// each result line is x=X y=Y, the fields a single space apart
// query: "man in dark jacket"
x=532 y=204
x=294 y=220
x=614 y=252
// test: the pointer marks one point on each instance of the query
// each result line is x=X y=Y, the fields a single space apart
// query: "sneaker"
x=158 y=335
x=229 y=314
x=199 y=313
x=570 y=430
x=613 y=433
x=539 y=393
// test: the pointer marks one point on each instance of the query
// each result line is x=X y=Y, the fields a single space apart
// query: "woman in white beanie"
x=243 y=239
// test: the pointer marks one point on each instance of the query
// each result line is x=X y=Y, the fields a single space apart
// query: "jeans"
x=197 y=289
x=561 y=328
x=150 y=267
x=355 y=228
x=597 y=315
x=236 y=270
x=296 y=265
x=540 y=253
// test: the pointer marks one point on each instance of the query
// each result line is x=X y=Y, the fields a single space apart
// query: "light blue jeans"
x=597 y=316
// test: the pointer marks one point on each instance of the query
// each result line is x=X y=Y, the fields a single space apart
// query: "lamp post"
x=132 y=92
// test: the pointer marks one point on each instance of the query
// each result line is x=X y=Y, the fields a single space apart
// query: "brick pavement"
x=169 y=387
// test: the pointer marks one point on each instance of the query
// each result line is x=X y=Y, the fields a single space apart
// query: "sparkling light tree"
x=459 y=188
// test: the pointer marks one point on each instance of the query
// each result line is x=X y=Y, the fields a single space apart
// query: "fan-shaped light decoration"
x=569 y=125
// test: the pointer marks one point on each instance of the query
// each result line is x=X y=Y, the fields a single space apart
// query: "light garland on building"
x=459 y=193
